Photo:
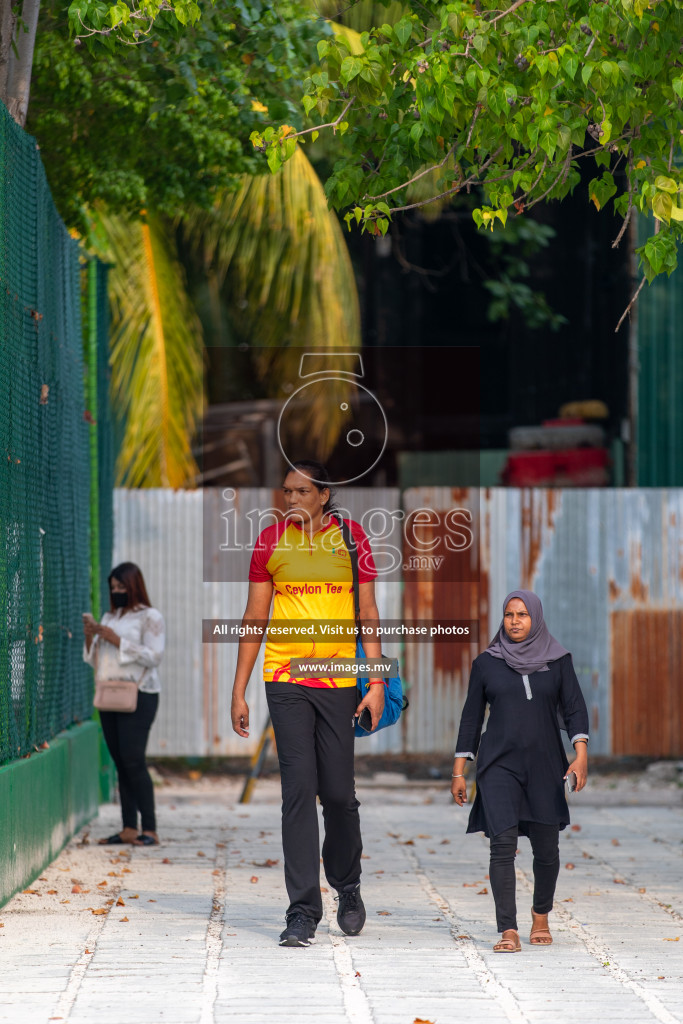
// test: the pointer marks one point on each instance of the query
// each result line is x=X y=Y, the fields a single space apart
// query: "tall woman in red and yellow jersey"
x=302 y=567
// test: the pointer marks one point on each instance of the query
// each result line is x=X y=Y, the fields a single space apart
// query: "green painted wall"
x=44 y=800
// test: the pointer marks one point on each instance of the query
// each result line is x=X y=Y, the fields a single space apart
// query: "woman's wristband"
x=375 y=682
x=457 y=776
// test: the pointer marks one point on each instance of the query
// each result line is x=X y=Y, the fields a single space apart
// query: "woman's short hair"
x=130 y=576
x=319 y=476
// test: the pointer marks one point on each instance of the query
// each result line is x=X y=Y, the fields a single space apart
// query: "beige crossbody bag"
x=114 y=694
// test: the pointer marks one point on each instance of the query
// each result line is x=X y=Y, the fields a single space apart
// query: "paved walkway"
x=187 y=933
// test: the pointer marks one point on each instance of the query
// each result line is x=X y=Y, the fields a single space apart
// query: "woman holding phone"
x=525 y=677
x=129 y=644
x=302 y=567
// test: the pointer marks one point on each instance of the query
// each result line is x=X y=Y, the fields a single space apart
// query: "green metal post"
x=106 y=766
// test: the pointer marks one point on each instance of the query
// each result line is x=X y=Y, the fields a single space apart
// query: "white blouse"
x=143 y=637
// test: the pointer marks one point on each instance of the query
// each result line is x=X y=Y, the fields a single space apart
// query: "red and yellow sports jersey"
x=312 y=580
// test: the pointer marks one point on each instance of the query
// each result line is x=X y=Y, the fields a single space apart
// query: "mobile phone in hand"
x=365 y=720
x=571 y=782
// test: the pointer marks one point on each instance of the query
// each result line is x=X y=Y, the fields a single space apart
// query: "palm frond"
x=156 y=354
x=288 y=277
x=362 y=15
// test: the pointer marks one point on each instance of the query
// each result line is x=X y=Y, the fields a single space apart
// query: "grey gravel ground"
x=188 y=932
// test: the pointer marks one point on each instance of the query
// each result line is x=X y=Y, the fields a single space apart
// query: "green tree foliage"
x=505 y=100
x=147 y=140
x=164 y=124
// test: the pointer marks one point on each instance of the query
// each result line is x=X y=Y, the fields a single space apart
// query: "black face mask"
x=119 y=599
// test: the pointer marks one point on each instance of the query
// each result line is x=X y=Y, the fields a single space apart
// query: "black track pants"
x=314 y=735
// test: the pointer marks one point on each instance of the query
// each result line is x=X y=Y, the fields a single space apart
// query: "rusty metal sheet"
x=607 y=564
x=647 y=706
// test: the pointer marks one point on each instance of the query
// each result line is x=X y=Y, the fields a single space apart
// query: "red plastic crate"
x=569 y=467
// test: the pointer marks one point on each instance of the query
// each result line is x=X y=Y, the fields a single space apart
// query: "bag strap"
x=353 y=554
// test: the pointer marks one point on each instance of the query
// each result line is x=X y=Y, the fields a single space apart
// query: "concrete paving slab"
x=186 y=933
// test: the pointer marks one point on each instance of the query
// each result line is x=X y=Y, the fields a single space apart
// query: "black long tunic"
x=521 y=761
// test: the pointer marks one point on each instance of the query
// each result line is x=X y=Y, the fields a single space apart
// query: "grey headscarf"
x=539 y=648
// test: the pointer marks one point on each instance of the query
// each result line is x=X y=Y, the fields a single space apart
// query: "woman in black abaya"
x=525 y=676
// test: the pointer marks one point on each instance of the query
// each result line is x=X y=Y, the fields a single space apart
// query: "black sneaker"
x=351 y=910
x=300 y=931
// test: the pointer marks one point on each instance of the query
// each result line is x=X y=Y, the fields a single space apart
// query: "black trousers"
x=546 y=850
x=126 y=737
x=314 y=735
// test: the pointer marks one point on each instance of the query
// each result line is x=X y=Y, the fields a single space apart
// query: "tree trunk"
x=8 y=23
x=19 y=62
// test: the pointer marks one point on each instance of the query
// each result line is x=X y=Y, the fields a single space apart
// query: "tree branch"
x=319 y=127
x=518 y=3
x=630 y=305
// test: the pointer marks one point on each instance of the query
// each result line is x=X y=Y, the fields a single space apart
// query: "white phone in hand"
x=571 y=782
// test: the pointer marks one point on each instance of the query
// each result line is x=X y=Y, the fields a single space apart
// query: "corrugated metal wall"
x=607 y=564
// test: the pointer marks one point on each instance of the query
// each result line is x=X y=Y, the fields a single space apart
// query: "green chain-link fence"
x=46 y=467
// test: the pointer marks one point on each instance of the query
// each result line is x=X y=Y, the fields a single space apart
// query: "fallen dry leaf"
x=615 y=842
x=569 y=867
x=42 y=879
x=65 y=901
x=587 y=856
x=358 y=974
x=1 y=924
x=129 y=872
x=194 y=776
x=437 y=919
x=431 y=851
x=31 y=892
x=422 y=1020
x=220 y=846
x=123 y=919
x=444 y=842
x=216 y=872
x=136 y=897
x=88 y=952
x=102 y=885
x=424 y=837
x=99 y=911
x=200 y=853
x=120 y=903
x=677 y=939
x=619 y=881
x=113 y=874
x=254 y=879
x=642 y=890
x=323 y=889
x=660 y=977
x=569 y=899
x=483 y=892
x=265 y=864
x=463 y=936
x=165 y=861
x=576 y=828
x=394 y=835
x=380 y=872
x=110 y=903
x=151 y=901
x=383 y=913
x=408 y=842
x=52 y=892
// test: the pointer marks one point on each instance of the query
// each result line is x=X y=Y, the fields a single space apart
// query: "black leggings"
x=126 y=736
x=545 y=846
